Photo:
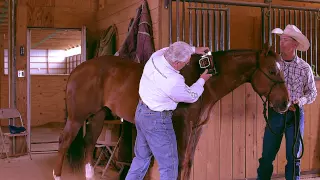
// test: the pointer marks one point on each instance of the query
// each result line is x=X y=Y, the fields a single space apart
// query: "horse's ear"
x=266 y=48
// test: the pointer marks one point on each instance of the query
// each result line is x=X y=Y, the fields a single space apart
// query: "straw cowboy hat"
x=295 y=33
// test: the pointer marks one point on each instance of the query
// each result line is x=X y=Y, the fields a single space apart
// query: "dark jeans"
x=271 y=144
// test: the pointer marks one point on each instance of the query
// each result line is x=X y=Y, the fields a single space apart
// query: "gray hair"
x=179 y=51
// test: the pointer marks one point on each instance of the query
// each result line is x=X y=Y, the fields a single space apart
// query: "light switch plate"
x=20 y=73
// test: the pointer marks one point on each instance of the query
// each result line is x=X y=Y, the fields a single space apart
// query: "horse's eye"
x=272 y=72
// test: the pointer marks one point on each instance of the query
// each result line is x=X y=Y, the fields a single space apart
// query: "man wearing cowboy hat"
x=301 y=86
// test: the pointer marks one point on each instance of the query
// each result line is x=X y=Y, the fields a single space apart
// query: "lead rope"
x=297 y=135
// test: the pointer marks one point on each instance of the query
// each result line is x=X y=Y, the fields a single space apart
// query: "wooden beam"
x=3 y=4
x=12 y=60
x=306 y=1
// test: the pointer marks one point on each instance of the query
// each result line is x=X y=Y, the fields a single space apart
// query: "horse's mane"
x=237 y=52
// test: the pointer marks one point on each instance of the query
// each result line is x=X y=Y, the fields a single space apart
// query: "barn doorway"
x=52 y=55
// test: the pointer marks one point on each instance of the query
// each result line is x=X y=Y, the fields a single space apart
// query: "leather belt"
x=149 y=108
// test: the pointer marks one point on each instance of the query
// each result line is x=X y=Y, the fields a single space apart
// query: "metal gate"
x=198 y=20
x=306 y=19
x=205 y=21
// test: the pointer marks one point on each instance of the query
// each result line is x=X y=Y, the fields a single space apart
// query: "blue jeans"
x=271 y=144
x=155 y=136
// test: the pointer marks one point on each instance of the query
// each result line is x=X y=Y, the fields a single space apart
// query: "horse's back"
x=109 y=81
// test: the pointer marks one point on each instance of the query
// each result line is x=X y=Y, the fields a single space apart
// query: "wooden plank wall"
x=231 y=143
x=120 y=12
x=48 y=105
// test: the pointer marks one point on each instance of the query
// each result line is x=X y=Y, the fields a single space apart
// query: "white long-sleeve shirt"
x=162 y=87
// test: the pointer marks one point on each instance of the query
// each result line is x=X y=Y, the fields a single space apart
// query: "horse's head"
x=268 y=80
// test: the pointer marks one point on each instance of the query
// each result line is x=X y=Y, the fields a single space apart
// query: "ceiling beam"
x=307 y=1
x=45 y=39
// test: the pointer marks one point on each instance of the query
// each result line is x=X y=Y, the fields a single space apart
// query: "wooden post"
x=12 y=59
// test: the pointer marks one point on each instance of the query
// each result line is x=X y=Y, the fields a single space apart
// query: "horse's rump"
x=104 y=81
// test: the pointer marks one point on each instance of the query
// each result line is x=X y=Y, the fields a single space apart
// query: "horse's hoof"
x=56 y=177
x=89 y=172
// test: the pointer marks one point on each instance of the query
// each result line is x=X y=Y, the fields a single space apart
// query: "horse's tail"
x=75 y=153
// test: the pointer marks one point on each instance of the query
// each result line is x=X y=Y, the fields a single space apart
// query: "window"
x=50 y=62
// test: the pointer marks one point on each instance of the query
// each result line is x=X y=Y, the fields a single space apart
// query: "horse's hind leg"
x=93 y=132
x=69 y=133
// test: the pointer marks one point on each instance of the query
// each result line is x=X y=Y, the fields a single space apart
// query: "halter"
x=275 y=82
x=297 y=133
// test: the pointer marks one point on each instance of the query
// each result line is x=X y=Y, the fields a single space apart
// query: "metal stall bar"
x=300 y=14
x=263 y=35
x=190 y=25
x=306 y=25
x=254 y=4
x=274 y=25
x=216 y=29
x=219 y=19
x=306 y=32
x=203 y=27
x=289 y=17
x=295 y=17
x=197 y=25
x=170 y=21
x=316 y=16
x=178 y=19
x=269 y=26
x=183 y=20
x=222 y=29
x=279 y=16
x=210 y=28
x=228 y=29
x=310 y=38
x=221 y=39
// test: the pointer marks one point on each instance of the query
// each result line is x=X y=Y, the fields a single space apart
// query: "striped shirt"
x=299 y=80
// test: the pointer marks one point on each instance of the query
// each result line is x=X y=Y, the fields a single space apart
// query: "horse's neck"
x=234 y=72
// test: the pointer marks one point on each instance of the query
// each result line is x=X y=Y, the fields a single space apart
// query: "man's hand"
x=292 y=108
x=201 y=50
x=205 y=76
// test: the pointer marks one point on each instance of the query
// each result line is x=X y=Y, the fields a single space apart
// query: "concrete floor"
x=43 y=159
x=40 y=168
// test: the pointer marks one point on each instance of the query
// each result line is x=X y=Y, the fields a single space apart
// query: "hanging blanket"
x=138 y=46
x=107 y=42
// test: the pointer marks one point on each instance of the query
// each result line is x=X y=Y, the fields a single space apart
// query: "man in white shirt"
x=162 y=87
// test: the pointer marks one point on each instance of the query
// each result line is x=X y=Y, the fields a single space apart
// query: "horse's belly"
x=122 y=97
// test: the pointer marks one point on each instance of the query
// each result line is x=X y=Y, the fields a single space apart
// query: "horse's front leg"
x=93 y=132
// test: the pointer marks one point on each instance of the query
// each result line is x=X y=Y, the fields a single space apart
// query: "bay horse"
x=112 y=82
